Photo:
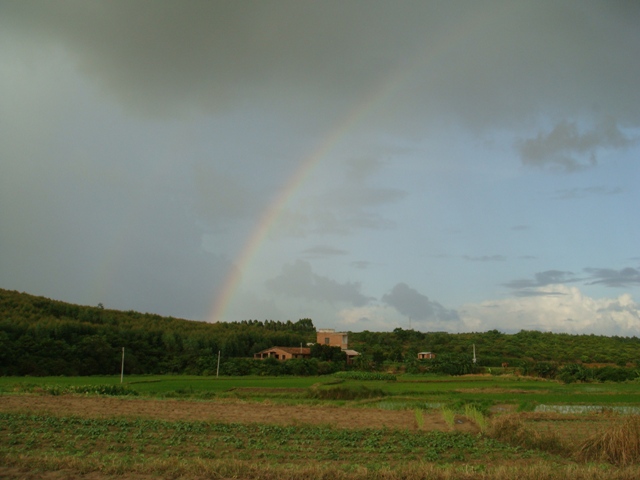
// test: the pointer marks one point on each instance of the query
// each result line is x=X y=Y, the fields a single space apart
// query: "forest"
x=43 y=337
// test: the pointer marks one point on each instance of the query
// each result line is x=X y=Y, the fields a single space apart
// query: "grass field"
x=314 y=427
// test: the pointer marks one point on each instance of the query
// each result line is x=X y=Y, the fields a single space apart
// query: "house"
x=328 y=336
x=426 y=356
x=284 y=353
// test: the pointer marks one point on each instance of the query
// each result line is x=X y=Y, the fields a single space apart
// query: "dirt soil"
x=227 y=411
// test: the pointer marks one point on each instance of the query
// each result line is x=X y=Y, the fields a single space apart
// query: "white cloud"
x=559 y=309
x=370 y=317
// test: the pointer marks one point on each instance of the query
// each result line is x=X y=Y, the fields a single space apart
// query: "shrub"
x=574 y=372
x=546 y=369
x=452 y=364
x=614 y=374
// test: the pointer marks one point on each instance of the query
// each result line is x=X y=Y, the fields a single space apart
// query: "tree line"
x=39 y=336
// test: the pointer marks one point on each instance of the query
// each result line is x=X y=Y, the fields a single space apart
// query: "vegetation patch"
x=357 y=392
x=358 y=375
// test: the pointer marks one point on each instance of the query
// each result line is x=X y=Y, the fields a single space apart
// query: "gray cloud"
x=571 y=193
x=347 y=207
x=537 y=293
x=485 y=258
x=323 y=251
x=298 y=280
x=361 y=264
x=566 y=148
x=531 y=287
x=417 y=306
x=627 y=277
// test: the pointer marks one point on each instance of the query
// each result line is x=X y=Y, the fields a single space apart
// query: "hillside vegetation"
x=39 y=337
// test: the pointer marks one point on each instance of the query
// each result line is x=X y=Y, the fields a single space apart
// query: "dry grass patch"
x=619 y=444
x=513 y=430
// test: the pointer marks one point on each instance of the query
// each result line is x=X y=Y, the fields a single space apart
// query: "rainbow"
x=293 y=184
x=374 y=100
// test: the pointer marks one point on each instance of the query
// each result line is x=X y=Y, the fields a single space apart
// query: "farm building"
x=284 y=353
x=426 y=355
x=351 y=355
x=328 y=336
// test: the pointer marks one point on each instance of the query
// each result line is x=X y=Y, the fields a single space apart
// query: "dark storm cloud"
x=567 y=148
x=299 y=281
x=487 y=63
x=413 y=304
x=627 y=277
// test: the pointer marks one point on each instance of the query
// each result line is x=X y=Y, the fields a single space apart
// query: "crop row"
x=49 y=435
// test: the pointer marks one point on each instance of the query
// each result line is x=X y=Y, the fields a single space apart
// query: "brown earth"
x=227 y=411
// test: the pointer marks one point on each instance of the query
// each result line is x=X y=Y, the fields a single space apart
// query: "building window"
x=326 y=340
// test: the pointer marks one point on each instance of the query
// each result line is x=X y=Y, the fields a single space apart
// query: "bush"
x=452 y=364
x=546 y=369
x=574 y=372
x=614 y=374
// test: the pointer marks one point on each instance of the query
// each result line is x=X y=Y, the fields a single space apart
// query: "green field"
x=428 y=389
x=544 y=446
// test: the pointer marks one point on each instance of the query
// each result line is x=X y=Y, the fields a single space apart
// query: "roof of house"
x=291 y=350
x=426 y=353
x=351 y=353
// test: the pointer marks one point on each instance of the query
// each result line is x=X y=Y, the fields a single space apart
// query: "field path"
x=224 y=411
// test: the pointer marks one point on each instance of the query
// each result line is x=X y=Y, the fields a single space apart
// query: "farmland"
x=316 y=427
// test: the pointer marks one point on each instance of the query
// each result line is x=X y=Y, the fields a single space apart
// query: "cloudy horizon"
x=451 y=166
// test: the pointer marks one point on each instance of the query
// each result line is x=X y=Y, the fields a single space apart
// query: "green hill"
x=39 y=336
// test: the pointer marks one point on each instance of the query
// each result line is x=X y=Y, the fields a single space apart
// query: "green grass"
x=158 y=384
x=408 y=391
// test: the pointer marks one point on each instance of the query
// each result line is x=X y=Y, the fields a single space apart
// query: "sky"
x=451 y=166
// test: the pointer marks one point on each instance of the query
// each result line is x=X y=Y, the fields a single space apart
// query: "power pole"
x=122 y=367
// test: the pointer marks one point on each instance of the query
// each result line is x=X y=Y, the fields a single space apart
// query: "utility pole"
x=122 y=367
x=474 y=353
x=218 y=369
